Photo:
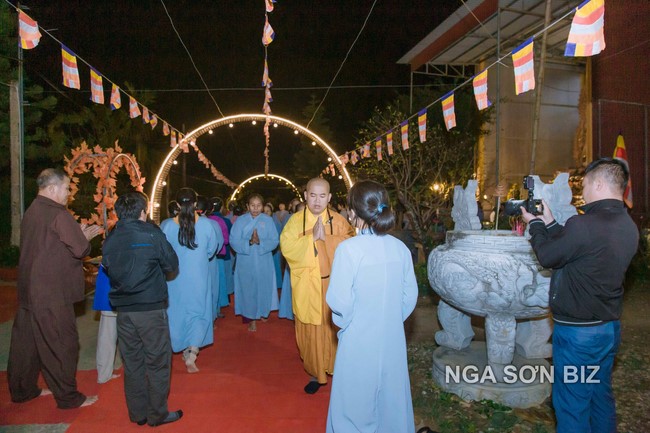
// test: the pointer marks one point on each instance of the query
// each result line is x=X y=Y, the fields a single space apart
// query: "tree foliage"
x=445 y=159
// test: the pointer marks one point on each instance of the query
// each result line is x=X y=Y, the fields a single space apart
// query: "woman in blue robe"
x=254 y=237
x=268 y=210
x=215 y=266
x=194 y=240
x=372 y=291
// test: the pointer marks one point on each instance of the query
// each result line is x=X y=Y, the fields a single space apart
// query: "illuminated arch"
x=157 y=188
x=273 y=176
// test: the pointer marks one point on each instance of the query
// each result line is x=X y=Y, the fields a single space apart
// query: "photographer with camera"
x=589 y=257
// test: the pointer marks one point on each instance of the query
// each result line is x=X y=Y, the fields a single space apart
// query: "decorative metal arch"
x=157 y=188
x=273 y=176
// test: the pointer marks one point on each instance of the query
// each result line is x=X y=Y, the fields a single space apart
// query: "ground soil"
x=445 y=412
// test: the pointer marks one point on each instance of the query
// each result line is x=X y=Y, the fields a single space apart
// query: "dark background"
x=134 y=42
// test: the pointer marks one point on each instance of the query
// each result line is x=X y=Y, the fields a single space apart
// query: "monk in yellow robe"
x=307 y=243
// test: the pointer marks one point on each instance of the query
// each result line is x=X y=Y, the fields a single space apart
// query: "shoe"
x=141 y=422
x=171 y=417
x=312 y=387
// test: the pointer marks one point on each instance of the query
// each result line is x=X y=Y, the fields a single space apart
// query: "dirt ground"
x=445 y=412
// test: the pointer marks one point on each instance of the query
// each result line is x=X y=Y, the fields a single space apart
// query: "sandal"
x=189 y=356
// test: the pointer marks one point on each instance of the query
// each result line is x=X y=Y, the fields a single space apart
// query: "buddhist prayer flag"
x=28 y=31
x=268 y=35
x=134 y=110
x=116 y=99
x=389 y=142
x=332 y=170
x=269 y=5
x=154 y=121
x=620 y=153
x=480 y=90
x=586 y=37
x=172 y=142
x=354 y=157
x=145 y=115
x=422 y=125
x=524 y=63
x=404 y=127
x=70 y=70
x=96 y=87
x=448 y=110
x=344 y=158
x=265 y=77
x=366 y=151
x=165 y=129
x=378 y=146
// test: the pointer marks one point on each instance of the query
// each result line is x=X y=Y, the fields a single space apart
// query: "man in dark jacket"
x=44 y=336
x=137 y=259
x=589 y=257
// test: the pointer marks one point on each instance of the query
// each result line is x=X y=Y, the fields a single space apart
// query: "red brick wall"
x=622 y=73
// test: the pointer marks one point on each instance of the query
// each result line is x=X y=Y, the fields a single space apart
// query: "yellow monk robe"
x=315 y=332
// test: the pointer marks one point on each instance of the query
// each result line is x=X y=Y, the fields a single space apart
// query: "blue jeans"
x=583 y=358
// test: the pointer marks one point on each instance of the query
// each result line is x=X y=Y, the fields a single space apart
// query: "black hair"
x=173 y=208
x=369 y=201
x=129 y=206
x=203 y=205
x=186 y=197
x=50 y=176
x=255 y=195
x=614 y=171
x=217 y=204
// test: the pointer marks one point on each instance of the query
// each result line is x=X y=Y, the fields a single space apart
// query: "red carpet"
x=249 y=382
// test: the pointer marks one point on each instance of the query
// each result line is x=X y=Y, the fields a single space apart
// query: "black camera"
x=532 y=205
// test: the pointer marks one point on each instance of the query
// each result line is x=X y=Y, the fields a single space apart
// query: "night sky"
x=134 y=42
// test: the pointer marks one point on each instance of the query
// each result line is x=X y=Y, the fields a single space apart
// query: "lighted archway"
x=272 y=176
x=157 y=188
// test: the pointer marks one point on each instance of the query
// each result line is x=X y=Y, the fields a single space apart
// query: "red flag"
x=354 y=157
x=620 y=153
x=378 y=146
x=586 y=37
x=165 y=129
x=448 y=110
x=268 y=35
x=480 y=90
x=28 y=31
x=389 y=142
x=145 y=115
x=96 y=87
x=154 y=121
x=523 y=59
x=172 y=142
x=366 y=151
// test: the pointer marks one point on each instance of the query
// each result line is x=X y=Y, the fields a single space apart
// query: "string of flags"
x=268 y=35
x=29 y=34
x=586 y=38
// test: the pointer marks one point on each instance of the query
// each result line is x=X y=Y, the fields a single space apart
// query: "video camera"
x=532 y=205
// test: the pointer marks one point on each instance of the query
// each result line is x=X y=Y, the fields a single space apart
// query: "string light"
x=211 y=132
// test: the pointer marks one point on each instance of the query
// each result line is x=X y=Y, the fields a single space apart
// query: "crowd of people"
x=347 y=285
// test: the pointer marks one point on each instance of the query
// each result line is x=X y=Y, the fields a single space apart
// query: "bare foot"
x=45 y=392
x=264 y=319
x=191 y=366
x=252 y=327
x=92 y=399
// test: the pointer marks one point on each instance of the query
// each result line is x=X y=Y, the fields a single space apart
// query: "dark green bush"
x=424 y=289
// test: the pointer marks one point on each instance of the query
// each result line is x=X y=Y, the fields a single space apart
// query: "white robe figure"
x=256 y=292
x=372 y=291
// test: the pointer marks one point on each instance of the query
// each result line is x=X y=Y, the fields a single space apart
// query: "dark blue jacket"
x=137 y=259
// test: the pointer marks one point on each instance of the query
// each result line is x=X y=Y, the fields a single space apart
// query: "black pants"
x=143 y=338
x=45 y=340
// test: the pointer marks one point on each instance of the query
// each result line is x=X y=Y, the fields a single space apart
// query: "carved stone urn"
x=494 y=274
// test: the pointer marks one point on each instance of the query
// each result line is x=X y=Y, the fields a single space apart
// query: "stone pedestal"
x=467 y=373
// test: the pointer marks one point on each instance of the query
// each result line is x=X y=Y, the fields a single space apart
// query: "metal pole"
x=21 y=93
x=15 y=151
x=647 y=161
x=497 y=123
x=539 y=85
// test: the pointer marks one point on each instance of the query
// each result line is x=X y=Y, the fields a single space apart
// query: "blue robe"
x=256 y=293
x=216 y=271
x=190 y=296
x=372 y=291
x=277 y=254
x=286 y=307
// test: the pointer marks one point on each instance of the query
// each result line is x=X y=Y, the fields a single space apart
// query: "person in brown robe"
x=307 y=243
x=44 y=335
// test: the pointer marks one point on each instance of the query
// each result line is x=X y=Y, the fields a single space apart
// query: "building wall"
x=559 y=120
x=621 y=93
